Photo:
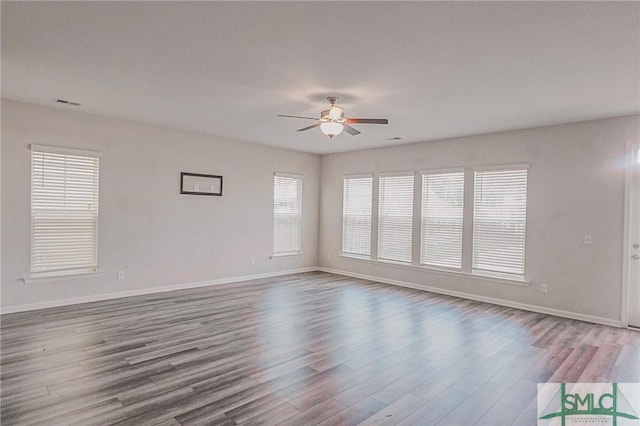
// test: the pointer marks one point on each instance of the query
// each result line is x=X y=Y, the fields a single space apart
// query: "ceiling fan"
x=332 y=121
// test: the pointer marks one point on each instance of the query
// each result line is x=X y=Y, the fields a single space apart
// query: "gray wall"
x=157 y=236
x=160 y=238
x=576 y=187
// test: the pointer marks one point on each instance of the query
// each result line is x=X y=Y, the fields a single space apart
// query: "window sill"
x=393 y=262
x=39 y=278
x=499 y=276
x=475 y=275
x=355 y=256
x=279 y=255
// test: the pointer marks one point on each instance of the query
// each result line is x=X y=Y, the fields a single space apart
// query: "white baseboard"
x=460 y=294
x=463 y=295
x=143 y=291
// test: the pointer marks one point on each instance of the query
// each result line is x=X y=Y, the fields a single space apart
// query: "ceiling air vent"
x=64 y=101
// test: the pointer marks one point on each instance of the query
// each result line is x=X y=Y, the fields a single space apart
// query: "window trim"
x=67 y=273
x=289 y=175
x=464 y=208
x=500 y=168
x=397 y=174
x=409 y=173
x=288 y=253
x=358 y=176
x=40 y=277
x=466 y=269
x=285 y=254
x=442 y=171
x=65 y=151
x=515 y=280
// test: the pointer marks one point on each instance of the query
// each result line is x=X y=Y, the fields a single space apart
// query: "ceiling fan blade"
x=297 y=116
x=367 y=120
x=351 y=130
x=309 y=127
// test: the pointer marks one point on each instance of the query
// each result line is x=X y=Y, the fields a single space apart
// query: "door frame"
x=626 y=264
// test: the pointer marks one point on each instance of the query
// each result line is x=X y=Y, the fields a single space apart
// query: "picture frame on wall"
x=200 y=184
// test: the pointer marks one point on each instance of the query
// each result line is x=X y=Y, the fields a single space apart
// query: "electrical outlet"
x=121 y=275
x=328 y=256
x=252 y=261
x=544 y=289
x=587 y=239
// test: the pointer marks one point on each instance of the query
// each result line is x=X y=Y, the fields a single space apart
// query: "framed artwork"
x=199 y=184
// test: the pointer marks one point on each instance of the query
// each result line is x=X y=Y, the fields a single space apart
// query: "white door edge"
x=627 y=249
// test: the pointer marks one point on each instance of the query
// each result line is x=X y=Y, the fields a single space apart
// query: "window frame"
x=69 y=272
x=298 y=251
x=423 y=173
x=344 y=180
x=408 y=174
x=467 y=226
x=494 y=273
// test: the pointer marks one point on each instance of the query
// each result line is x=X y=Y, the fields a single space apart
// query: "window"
x=64 y=211
x=441 y=226
x=395 y=217
x=356 y=215
x=287 y=214
x=499 y=221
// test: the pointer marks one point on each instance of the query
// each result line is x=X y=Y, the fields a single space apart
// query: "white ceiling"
x=434 y=69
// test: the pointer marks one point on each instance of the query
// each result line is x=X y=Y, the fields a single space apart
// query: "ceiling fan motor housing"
x=333 y=114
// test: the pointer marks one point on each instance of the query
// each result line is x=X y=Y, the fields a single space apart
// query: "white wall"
x=576 y=187
x=157 y=236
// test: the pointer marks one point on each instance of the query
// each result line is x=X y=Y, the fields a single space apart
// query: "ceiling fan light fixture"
x=336 y=113
x=331 y=128
x=332 y=121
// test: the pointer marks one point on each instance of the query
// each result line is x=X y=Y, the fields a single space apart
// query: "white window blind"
x=395 y=217
x=441 y=226
x=356 y=215
x=64 y=212
x=499 y=221
x=287 y=214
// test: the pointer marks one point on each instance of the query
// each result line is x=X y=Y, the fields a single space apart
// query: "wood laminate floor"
x=303 y=349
